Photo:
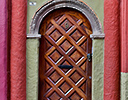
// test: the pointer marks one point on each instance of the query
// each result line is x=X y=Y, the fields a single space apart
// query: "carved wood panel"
x=65 y=41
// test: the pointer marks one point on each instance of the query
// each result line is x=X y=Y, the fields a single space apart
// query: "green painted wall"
x=32 y=69
x=124 y=86
x=97 y=69
x=96 y=5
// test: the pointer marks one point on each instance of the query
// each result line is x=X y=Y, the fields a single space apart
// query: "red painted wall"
x=124 y=35
x=3 y=50
x=18 y=50
x=112 y=50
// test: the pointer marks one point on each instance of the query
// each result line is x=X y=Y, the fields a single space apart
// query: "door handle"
x=65 y=66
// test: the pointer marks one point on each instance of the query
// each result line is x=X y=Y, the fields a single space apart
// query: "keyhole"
x=66 y=25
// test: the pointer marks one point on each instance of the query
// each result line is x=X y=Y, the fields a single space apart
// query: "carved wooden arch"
x=74 y=4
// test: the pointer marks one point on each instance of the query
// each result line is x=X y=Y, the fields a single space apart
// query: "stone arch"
x=74 y=4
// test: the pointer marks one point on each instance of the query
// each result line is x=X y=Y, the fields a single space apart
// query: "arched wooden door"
x=64 y=70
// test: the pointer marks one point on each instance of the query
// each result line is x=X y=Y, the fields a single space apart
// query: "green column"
x=97 y=69
x=124 y=86
x=32 y=68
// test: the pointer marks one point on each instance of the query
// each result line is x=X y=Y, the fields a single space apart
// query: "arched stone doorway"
x=97 y=36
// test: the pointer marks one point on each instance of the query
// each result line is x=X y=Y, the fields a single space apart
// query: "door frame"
x=97 y=37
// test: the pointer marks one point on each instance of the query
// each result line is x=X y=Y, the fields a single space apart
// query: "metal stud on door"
x=64 y=68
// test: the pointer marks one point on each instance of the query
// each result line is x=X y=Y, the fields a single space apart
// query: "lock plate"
x=89 y=56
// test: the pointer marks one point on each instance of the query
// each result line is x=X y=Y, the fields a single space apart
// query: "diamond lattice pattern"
x=55 y=76
x=66 y=25
x=55 y=35
x=75 y=96
x=76 y=35
x=76 y=56
x=75 y=77
x=66 y=45
x=54 y=96
x=65 y=87
x=55 y=56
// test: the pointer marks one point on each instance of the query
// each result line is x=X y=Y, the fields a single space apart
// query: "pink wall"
x=112 y=50
x=18 y=50
x=3 y=50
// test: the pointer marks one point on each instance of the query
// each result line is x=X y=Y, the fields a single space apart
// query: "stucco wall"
x=98 y=69
x=18 y=49
x=32 y=69
x=124 y=86
x=112 y=50
x=3 y=50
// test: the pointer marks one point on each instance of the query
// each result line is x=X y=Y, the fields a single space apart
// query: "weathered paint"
x=97 y=69
x=32 y=69
x=124 y=86
x=124 y=35
x=3 y=50
x=18 y=50
x=112 y=50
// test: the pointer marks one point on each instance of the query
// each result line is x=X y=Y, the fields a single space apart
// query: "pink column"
x=124 y=35
x=3 y=50
x=112 y=50
x=18 y=50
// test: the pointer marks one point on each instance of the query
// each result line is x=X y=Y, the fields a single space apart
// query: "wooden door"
x=65 y=41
